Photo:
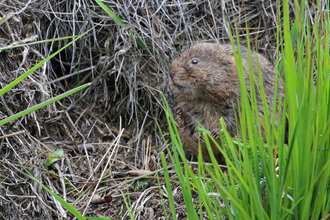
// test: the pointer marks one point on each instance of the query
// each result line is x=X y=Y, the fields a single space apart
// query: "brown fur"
x=208 y=90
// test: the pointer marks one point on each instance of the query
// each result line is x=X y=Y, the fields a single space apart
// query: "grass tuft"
x=271 y=179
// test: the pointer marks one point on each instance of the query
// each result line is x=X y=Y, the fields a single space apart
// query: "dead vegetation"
x=110 y=128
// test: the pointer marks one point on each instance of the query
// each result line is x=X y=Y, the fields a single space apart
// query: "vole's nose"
x=173 y=77
x=172 y=74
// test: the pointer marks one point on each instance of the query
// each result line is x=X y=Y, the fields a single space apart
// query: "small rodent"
x=205 y=84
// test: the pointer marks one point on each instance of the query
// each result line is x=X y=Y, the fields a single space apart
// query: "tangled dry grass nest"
x=110 y=128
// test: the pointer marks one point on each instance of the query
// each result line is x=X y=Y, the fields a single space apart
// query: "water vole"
x=206 y=86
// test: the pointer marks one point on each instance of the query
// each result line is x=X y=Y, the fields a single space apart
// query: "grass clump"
x=272 y=179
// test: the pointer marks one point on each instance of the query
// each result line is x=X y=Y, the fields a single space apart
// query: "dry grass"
x=111 y=128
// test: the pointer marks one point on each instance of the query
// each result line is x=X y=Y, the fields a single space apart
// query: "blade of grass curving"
x=219 y=175
x=228 y=161
x=128 y=205
x=36 y=42
x=290 y=88
x=268 y=164
x=291 y=210
x=174 y=133
x=23 y=76
x=283 y=157
x=233 y=200
x=204 y=201
x=62 y=201
x=182 y=173
x=247 y=127
x=256 y=141
x=3 y=180
x=226 y=210
x=111 y=13
x=2 y=20
x=168 y=186
x=161 y=196
x=43 y=104
x=321 y=140
x=176 y=143
x=207 y=201
x=120 y=22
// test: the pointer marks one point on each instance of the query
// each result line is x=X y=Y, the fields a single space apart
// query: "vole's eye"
x=194 y=61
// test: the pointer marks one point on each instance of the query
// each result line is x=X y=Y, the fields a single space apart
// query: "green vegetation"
x=271 y=180
x=57 y=154
x=52 y=158
x=23 y=76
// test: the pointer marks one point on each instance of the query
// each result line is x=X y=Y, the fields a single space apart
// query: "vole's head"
x=202 y=68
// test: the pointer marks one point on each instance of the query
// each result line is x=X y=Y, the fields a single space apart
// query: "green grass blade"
x=168 y=187
x=98 y=218
x=110 y=13
x=62 y=201
x=161 y=196
x=43 y=104
x=2 y=20
x=36 y=42
x=20 y=78
x=3 y=180
x=128 y=205
x=120 y=22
